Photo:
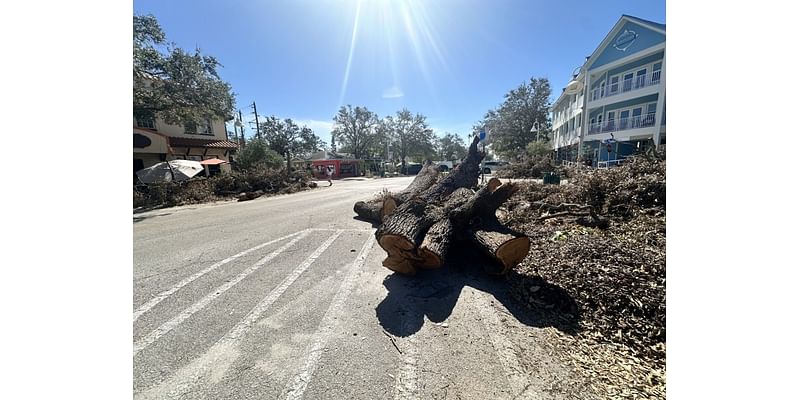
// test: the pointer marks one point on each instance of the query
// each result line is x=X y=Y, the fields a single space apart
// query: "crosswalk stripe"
x=296 y=387
x=151 y=337
x=186 y=378
x=163 y=295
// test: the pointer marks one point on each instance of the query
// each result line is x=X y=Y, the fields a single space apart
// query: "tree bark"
x=476 y=220
x=376 y=210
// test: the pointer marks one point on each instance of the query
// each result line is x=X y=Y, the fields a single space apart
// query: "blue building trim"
x=638 y=63
x=630 y=39
x=625 y=104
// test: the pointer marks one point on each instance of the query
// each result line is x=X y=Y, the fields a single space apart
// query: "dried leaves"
x=616 y=276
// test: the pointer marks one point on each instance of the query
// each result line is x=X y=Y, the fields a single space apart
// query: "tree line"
x=402 y=137
x=182 y=87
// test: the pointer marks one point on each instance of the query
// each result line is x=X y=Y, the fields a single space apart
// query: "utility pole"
x=241 y=129
x=258 y=129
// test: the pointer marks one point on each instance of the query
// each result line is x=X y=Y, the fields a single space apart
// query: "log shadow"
x=434 y=294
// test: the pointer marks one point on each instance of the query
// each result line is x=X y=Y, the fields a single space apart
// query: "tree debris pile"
x=243 y=185
x=616 y=271
x=419 y=225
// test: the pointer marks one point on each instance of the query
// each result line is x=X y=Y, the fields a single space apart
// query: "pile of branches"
x=601 y=238
x=420 y=225
x=532 y=167
x=252 y=183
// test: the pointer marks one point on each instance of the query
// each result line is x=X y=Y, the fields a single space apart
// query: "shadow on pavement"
x=144 y=217
x=434 y=294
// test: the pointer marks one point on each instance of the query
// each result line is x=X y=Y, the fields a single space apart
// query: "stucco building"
x=154 y=141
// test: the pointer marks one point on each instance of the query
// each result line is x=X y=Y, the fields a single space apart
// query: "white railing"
x=626 y=85
x=623 y=124
x=609 y=163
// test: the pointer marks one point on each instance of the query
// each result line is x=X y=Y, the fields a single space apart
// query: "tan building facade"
x=155 y=141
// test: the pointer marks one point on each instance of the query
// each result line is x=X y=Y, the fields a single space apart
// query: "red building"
x=342 y=168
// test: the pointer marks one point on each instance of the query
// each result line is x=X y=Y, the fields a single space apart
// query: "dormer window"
x=146 y=122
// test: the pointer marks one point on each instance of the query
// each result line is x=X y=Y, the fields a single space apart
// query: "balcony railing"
x=623 y=124
x=627 y=85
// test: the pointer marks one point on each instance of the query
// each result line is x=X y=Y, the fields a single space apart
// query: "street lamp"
x=535 y=129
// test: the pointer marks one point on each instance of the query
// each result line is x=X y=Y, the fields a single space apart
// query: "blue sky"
x=450 y=60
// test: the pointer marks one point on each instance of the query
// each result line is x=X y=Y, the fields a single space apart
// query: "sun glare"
x=401 y=24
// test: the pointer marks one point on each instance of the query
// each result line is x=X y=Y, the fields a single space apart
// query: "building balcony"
x=627 y=85
x=623 y=124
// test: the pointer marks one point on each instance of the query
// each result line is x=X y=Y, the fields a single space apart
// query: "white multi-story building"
x=615 y=103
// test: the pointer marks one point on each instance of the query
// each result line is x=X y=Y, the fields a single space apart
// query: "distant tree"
x=355 y=130
x=410 y=136
x=173 y=84
x=287 y=138
x=509 y=126
x=256 y=153
x=450 y=147
x=539 y=149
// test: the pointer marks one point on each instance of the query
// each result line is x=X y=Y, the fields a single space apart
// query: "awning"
x=212 y=161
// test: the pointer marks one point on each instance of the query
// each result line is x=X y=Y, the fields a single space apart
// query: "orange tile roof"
x=191 y=142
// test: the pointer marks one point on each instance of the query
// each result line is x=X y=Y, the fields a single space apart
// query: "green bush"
x=256 y=154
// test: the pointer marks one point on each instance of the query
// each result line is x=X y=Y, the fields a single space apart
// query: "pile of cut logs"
x=419 y=225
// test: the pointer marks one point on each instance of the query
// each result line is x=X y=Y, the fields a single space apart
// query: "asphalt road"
x=285 y=297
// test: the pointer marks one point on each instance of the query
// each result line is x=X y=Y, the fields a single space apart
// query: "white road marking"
x=187 y=377
x=163 y=295
x=406 y=382
x=151 y=337
x=296 y=387
x=514 y=372
x=342 y=229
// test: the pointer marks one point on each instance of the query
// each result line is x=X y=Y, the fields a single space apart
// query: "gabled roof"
x=660 y=28
x=649 y=24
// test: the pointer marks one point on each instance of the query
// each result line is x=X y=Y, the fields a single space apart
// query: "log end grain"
x=513 y=252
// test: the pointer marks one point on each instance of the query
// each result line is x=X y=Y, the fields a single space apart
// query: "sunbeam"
x=350 y=55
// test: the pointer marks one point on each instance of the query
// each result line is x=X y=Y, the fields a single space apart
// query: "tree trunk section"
x=377 y=210
x=439 y=238
x=502 y=244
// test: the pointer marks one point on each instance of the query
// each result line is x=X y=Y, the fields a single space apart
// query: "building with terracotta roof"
x=155 y=141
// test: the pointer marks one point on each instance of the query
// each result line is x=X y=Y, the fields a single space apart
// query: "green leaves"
x=357 y=130
x=286 y=136
x=174 y=84
x=509 y=126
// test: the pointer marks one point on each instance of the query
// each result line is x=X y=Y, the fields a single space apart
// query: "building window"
x=192 y=127
x=610 y=122
x=640 y=78
x=656 y=78
x=614 y=85
x=627 y=82
x=623 y=119
x=146 y=122
x=603 y=89
x=650 y=118
x=637 y=118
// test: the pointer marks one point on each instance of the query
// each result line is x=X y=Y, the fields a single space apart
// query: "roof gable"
x=629 y=35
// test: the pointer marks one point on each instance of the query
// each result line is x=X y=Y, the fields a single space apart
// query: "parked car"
x=489 y=167
x=444 y=166
x=411 y=168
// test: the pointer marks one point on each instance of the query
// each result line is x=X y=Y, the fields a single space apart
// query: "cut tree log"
x=477 y=221
x=419 y=228
x=376 y=210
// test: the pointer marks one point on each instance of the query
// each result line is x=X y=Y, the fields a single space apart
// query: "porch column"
x=662 y=93
x=584 y=114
